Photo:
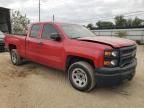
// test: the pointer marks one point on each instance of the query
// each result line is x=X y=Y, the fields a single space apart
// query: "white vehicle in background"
x=136 y=34
x=2 y=48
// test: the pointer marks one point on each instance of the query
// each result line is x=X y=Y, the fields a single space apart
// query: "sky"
x=76 y=11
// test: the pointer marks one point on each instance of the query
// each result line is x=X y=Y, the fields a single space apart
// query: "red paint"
x=54 y=53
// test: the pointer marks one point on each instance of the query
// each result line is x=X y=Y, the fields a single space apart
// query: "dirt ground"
x=35 y=86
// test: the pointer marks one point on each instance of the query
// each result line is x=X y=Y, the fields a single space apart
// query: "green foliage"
x=19 y=22
x=120 y=21
x=137 y=22
x=104 y=24
x=129 y=23
x=90 y=26
x=121 y=34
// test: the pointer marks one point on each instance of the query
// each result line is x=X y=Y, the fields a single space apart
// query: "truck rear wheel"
x=15 y=57
x=81 y=76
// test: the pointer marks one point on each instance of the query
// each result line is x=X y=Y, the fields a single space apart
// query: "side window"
x=35 y=30
x=48 y=29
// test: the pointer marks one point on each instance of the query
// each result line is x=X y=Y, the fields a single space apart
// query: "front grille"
x=127 y=55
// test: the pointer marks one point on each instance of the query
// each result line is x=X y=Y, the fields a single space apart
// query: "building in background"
x=5 y=24
x=136 y=34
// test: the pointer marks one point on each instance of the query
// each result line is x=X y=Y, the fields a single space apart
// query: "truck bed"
x=18 y=40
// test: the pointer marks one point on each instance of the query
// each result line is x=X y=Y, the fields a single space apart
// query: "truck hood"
x=114 y=42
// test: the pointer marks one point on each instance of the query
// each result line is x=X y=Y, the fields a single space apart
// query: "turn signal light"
x=107 y=63
x=108 y=53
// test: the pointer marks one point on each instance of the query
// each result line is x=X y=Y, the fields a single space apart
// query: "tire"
x=15 y=57
x=81 y=76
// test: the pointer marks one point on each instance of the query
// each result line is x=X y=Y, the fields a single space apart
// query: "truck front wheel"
x=81 y=76
x=15 y=57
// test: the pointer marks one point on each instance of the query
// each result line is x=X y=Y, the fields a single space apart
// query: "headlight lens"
x=110 y=53
x=114 y=53
x=110 y=63
x=114 y=62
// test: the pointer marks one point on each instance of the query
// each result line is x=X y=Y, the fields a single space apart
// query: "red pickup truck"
x=89 y=60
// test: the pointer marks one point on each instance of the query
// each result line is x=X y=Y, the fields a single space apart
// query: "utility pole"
x=53 y=18
x=39 y=10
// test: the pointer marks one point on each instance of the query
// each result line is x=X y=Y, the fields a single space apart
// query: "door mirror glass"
x=55 y=36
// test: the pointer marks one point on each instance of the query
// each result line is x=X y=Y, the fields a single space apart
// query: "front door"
x=51 y=51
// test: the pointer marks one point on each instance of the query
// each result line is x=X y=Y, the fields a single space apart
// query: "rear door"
x=33 y=43
x=51 y=51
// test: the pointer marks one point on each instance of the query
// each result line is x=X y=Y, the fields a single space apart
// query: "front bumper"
x=111 y=76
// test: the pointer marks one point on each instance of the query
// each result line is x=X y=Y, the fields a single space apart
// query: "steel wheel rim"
x=14 y=58
x=79 y=77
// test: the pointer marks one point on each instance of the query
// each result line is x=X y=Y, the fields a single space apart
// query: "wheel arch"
x=12 y=46
x=70 y=59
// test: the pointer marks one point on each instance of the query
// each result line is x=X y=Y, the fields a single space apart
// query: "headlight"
x=111 y=53
x=110 y=63
x=114 y=53
x=114 y=62
x=111 y=58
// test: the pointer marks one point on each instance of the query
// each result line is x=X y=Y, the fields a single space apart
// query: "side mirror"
x=55 y=36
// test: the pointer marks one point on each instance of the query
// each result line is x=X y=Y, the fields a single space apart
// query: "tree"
x=129 y=22
x=137 y=22
x=90 y=26
x=104 y=24
x=120 y=21
x=19 y=22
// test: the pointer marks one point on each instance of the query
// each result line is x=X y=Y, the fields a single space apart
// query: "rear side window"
x=48 y=29
x=35 y=30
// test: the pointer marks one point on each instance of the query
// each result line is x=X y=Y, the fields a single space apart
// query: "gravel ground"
x=35 y=86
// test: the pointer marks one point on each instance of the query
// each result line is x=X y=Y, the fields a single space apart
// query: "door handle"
x=40 y=43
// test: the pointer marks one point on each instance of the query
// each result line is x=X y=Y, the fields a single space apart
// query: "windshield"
x=76 y=31
x=1 y=35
